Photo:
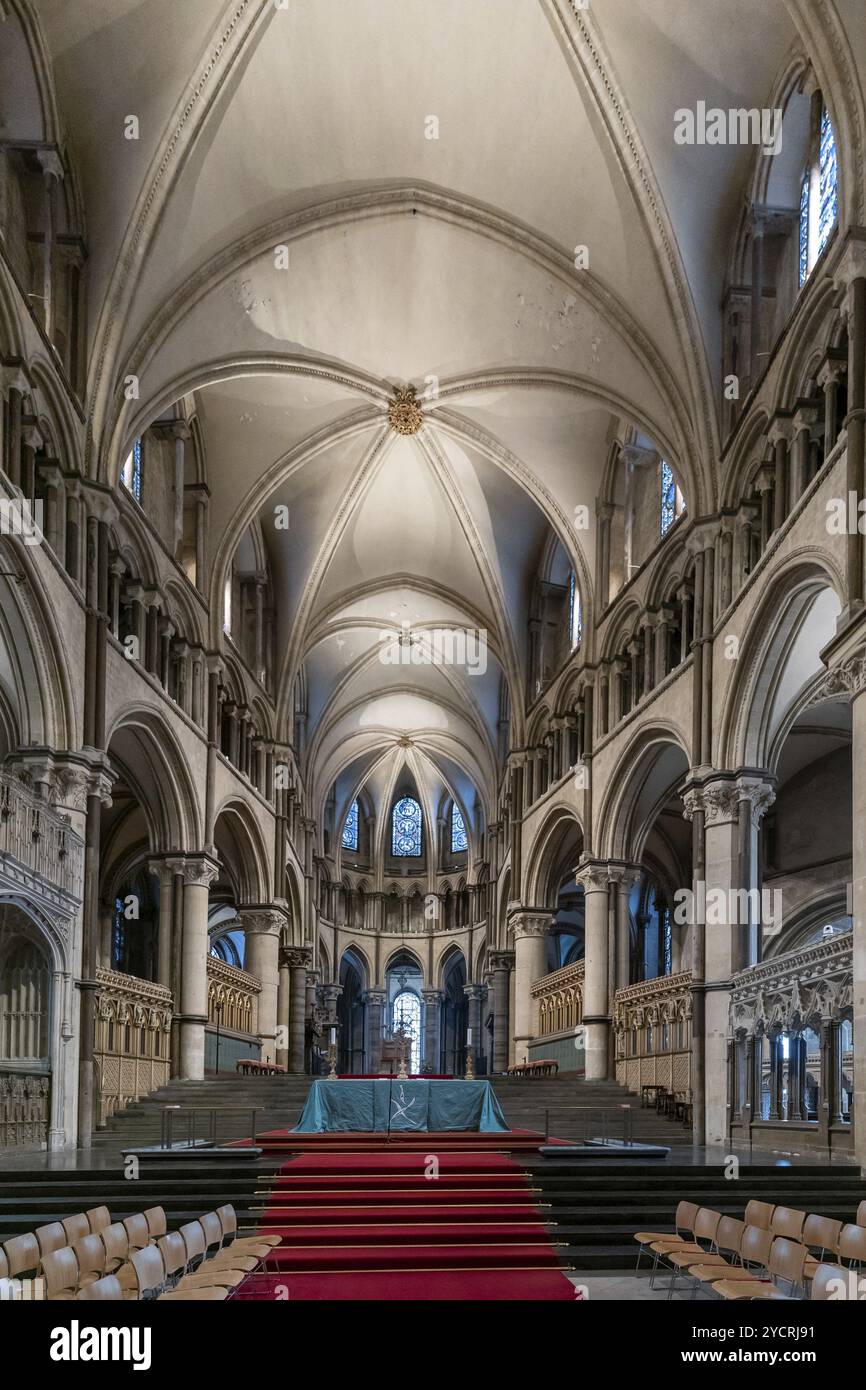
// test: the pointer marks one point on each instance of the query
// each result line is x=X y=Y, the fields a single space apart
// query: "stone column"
x=648 y=629
x=757 y=301
x=858 y=853
x=778 y=438
x=804 y=422
x=852 y=274
x=604 y=512
x=180 y=432
x=261 y=958
x=593 y=876
x=624 y=879
x=828 y=379
x=723 y=921
x=530 y=963
x=52 y=171
x=432 y=999
x=198 y=874
x=501 y=963
x=284 y=997
x=163 y=873
x=474 y=999
x=374 y=999
x=298 y=959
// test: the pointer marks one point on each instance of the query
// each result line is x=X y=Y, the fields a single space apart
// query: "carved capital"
x=593 y=875
x=844 y=681
x=200 y=872
x=531 y=923
x=261 y=921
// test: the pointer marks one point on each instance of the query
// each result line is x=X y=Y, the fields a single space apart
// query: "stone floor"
x=107 y=1156
x=624 y=1286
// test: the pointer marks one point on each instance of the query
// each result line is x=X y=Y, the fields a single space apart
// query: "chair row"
x=69 y=1262
x=771 y=1250
x=197 y=1262
x=23 y=1256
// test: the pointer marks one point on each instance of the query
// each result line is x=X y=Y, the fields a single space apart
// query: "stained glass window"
x=575 y=616
x=130 y=474
x=669 y=497
x=407 y=1020
x=350 y=829
x=827 y=189
x=667 y=964
x=118 y=937
x=459 y=839
x=406 y=828
x=819 y=199
x=804 y=230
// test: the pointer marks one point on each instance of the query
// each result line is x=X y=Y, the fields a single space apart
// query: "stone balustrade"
x=132 y=1044
x=38 y=842
x=653 y=1032
x=232 y=998
x=559 y=999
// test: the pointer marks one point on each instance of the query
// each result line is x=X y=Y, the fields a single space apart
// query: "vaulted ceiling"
x=448 y=262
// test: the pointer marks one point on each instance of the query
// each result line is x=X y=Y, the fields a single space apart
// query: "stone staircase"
x=279 y=1101
x=572 y=1108
x=594 y=1209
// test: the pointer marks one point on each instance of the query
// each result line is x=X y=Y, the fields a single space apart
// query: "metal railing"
x=194 y=1136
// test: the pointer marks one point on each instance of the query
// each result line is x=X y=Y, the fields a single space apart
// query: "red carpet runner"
x=413 y=1217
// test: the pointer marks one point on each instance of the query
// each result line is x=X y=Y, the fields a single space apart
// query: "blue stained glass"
x=406 y=828
x=350 y=829
x=827 y=172
x=130 y=473
x=459 y=838
x=669 y=498
x=804 y=230
x=575 y=615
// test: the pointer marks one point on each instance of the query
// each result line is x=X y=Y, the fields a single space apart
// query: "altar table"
x=391 y=1105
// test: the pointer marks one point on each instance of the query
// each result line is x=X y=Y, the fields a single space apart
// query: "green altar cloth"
x=368 y=1106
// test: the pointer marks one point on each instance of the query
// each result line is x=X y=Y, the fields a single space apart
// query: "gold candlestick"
x=470 y=1066
x=332 y=1059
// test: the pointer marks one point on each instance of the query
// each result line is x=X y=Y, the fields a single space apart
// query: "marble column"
x=474 y=1000
x=262 y=928
x=501 y=964
x=725 y=919
x=284 y=997
x=198 y=874
x=593 y=876
x=161 y=870
x=530 y=963
x=298 y=959
x=432 y=999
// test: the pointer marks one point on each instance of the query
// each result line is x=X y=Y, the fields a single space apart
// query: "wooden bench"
x=543 y=1067
x=251 y=1066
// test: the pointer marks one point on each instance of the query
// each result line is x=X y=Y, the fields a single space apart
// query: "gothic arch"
x=561 y=830
x=146 y=746
x=652 y=764
x=242 y=851
x=780 y=655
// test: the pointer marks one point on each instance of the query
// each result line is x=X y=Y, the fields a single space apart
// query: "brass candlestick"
x=402 y=1074
x=470 y=1066
x=332 y=1059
